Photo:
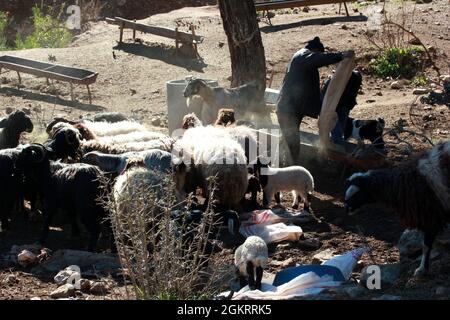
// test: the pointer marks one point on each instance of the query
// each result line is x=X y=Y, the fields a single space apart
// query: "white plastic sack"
x=328 y=116
x=303 y=285
x=272 y=232
x=346 y=262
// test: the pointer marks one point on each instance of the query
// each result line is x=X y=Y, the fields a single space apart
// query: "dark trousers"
x=290 y=126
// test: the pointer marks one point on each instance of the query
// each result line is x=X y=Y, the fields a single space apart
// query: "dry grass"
x=163 y=259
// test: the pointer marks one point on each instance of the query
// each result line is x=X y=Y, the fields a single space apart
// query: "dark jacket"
x=348 y=98
x=300 y=92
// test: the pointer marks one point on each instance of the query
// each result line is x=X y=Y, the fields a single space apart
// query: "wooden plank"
x=156 y=30
x=292 y=4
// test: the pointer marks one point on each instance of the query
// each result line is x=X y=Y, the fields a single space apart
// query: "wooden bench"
x=50 y=71
x=281 y=4
x=179 y=36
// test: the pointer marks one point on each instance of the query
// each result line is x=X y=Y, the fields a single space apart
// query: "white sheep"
x=103 y=129
x=295 y=178
x=137 y=136
x=251 y=258
x=210 y=152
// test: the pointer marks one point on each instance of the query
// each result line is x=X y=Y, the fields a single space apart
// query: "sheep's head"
x=225 y=117
x=356 y=194
x=193 y=87
x=55 y=122
x=190 y=121
x=65 y=142
x=17 y=121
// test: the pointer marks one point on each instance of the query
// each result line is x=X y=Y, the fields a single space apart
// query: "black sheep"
x=419 y=191
x=73 y=188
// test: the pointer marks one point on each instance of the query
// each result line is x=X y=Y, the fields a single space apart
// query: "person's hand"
x=348 y=54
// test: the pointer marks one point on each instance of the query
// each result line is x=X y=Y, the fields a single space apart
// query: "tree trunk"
x=248 y=61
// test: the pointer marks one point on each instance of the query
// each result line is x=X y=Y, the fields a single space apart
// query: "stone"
x=284 y=264
x=85 y=285
x=35 y=298
x=10 y=280
x=309 y=244
x=344 y=27
x=98 y=288
x=387 y=297
x=445 y=79
x=354 y=291
x=156 y=122
x=442 y=291
x=323 y=256
x=9 y=110
x=397 y=85
x=27 y=258
x=27 y=111
x=414 y=41
x=65 y=291
x=389 y=274
x=419 y=91
x=410 y=244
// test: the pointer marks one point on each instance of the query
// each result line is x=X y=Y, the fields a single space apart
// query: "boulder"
x=410 y=244
x=27 y=258
x=387 y=297
x=397 y=85
x=98 y=288
x=323 y=256
x=65 y=291
x=389 y=275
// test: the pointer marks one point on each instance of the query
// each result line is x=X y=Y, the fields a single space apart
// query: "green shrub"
x=48 y=33
x=397 y=62
x=3 y=24
x=419 y=80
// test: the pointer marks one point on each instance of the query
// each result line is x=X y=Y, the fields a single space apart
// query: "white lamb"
x=295 y=178
x=251 y=258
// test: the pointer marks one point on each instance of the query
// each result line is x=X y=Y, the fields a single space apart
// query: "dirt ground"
x=132 y=79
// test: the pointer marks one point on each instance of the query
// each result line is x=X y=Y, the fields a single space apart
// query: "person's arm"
x=321 y=59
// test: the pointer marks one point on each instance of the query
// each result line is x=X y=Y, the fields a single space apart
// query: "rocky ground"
x=132 y=79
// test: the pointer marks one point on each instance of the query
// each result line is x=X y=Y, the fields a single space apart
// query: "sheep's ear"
x=3 y=122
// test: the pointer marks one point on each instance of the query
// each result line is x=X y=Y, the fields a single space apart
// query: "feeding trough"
x=50 y=71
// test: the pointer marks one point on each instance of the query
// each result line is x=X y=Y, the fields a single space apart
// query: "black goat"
x=12 y=126
x=73 y=188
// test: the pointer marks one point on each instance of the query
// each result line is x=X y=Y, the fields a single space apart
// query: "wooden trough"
x=178 y=36
x=268 y=5
x=50 y=71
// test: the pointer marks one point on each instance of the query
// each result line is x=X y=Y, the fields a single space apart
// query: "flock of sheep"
x=65 y=174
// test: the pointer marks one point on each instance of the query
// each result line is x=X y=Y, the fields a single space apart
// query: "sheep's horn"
x=39 y=151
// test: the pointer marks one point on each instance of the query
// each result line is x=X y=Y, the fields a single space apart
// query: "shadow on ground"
x=162 y=52
x=50 y=99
